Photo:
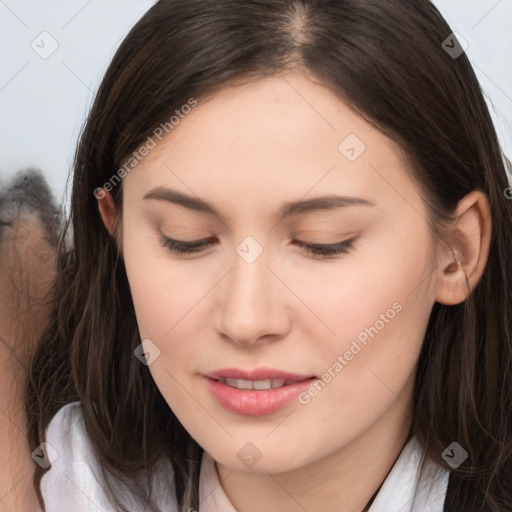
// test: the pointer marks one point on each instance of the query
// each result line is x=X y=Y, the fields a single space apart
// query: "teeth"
x=243 y=384
x=262 y=384
x=259 y=385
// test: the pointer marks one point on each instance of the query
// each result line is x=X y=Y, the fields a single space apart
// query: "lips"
x=256 y=392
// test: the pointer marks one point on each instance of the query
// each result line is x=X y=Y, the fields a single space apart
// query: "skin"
x=27 y=269
x=247 y=150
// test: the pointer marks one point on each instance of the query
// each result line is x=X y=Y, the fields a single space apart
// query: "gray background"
x=44 y=101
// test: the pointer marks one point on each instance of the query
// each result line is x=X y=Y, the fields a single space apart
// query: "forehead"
x=281 y=135
x=283 y=113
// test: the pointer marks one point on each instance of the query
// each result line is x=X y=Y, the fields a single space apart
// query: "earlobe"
x=463 y=263
x=107 y=209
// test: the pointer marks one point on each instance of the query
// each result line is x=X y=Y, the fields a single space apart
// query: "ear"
x=106 y=208
x=462 y=263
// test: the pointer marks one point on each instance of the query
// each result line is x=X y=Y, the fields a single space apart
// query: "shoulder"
x=75 y=479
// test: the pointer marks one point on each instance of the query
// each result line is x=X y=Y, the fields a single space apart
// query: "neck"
x=349 y=477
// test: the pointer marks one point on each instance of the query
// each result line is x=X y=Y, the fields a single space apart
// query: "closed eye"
x=182 y=247
x=326 y=250
x=196 y=246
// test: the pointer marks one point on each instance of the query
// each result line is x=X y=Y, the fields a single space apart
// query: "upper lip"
x=256 y=374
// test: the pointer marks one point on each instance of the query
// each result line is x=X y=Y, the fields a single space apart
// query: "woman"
x=289 y=282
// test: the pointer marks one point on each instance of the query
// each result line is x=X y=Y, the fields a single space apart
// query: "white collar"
x=398 y=490
x=397 y=493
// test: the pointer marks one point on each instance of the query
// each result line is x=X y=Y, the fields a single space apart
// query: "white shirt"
x=73 y=482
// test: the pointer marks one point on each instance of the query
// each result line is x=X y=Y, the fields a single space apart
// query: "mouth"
x=259 y=379
x=256 y=392
x=258 y=385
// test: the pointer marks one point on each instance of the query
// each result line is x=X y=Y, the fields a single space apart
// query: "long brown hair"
x=385 y=58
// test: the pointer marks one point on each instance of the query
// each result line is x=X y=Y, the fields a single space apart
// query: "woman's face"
x=348 y=327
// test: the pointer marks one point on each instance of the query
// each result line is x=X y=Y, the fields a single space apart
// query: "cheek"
x=378 y=311
x=166 y=297
x=168 y=310
x=384 y=289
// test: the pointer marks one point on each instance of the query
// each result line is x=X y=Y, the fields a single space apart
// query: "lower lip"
x=256 y=403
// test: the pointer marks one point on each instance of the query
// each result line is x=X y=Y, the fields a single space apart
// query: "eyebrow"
x=288 y=209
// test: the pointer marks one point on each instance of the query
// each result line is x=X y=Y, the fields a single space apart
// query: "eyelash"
x=322 y=250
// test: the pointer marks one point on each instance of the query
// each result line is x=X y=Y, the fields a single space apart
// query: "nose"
x=252 y=303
